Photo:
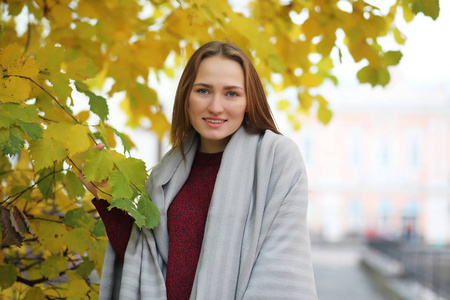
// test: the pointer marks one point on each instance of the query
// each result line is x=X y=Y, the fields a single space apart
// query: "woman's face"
x=217 y=102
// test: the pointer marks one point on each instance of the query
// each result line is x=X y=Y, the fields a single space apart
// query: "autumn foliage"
x=53 y=52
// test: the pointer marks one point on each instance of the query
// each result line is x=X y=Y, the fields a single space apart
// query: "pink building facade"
x=381 y=167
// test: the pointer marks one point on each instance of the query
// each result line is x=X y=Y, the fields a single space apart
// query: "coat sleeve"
x=283 y=268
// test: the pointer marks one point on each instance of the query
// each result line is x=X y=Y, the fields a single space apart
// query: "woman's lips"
x=214 y=123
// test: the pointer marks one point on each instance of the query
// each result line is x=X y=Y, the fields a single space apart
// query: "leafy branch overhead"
x=54 y=53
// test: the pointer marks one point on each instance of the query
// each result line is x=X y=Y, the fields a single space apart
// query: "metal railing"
x=425 y=264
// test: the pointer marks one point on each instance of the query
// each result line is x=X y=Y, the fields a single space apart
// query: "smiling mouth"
x=215 y=121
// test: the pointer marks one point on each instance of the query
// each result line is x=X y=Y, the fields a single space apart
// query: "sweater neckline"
x=208 y=159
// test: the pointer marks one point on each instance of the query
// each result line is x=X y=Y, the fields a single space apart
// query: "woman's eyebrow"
x=228 y=87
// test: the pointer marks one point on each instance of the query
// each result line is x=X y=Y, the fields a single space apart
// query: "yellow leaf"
x=9 y=54
x=77 y=289
x=53 y=266
x=86 y=9
x=77 y=139
x=80 y=68
x=310 y=80
x=46 y=151
x=408 y=14
x=35 y=293
x=24 y=66
x=52 y=236
x=61 y=16
x=305 y=100
x=160 y=125
x=83 y=116
x=14 y=90
x=78 y=240
x=283 y=104
x=96 y=253
x=324 y=114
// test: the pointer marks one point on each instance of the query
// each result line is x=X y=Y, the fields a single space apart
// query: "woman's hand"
x=90 y=185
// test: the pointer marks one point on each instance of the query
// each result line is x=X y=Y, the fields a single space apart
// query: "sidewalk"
x=339 y=274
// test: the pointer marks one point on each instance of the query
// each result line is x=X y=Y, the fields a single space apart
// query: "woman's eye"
x=232 y=94
x=202 y=91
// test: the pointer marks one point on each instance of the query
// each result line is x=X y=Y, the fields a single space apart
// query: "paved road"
x=338 y=274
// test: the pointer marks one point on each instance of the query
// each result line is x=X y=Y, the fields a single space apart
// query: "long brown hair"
x=258 y=116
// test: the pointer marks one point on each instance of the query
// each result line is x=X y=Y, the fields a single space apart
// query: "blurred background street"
x=339 y=275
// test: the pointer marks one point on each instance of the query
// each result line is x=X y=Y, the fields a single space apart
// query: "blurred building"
x=381 y=167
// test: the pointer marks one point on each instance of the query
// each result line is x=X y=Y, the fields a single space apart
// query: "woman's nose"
x=215 y=106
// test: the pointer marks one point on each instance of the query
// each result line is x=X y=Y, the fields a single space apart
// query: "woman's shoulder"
x=280 y=144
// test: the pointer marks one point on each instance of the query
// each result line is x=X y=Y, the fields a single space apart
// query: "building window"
x=414 y=140
x=307 y=148
x=355 y=147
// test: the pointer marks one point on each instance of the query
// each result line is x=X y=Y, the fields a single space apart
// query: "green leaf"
x=27 y=114
x=134 y=170
x=61 y=86
x=429 y=8
x=6 y=119
x=99 y=229
x=34 y=130
x=103 y=135
x=148 y=210
x=73 y=185
x=8 y=275
x=85 y=268
x=392 y=58
x=98 y=165
x=126 y=145
x=97 y=104
x=324 y=114
x=53 y=265
x=15 y=142
x=4 y=135
x=276 y=64
x=120 y=185
x=374 y=76
x=45 y=185
x=128 y=205
x=78 y=218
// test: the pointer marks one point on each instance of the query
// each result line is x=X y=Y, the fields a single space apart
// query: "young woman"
x=232 y=194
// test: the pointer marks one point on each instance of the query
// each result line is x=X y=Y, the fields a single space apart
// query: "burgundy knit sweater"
x=186 y=223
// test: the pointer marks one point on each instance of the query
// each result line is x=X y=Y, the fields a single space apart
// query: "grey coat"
x=256 y=243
